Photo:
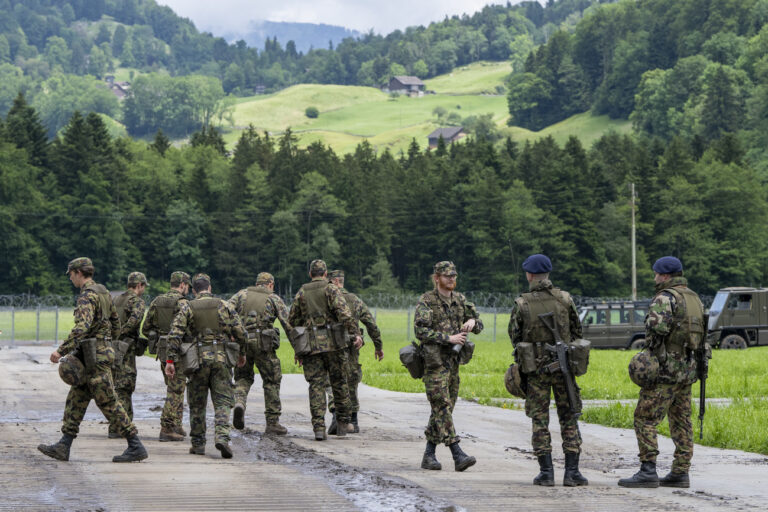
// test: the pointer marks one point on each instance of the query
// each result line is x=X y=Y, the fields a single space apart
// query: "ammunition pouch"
x=412 y=359
x=89 y=349
x=140 y=346
x=467 y=351
x=262 y=341
x=152 y=342
x=121 y=348
x=299 y=339
x=578 y=356
x=525 y=356
x=232 y=351
x=162 y=348
x=339 y=335
x=189 y=358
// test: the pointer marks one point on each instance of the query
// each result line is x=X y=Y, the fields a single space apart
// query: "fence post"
x=494 y=325
x=374 y=314
x=56 y=328
x=37 y=324
x=407 y=326
x=13 y=326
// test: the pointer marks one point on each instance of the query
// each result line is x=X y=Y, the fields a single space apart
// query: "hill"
x=305 y=36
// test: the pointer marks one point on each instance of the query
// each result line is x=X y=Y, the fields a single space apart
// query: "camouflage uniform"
x=672 y=394
x=130 y=308
x=354 y=370
x=540 y=383
x=326 y=358
x=173 y=409
x=95 y=317
x=214 y=373
x=435 y=320
x=267 y=362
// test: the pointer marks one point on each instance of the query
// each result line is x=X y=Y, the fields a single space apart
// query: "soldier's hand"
x=468 y=325
x=55 y=356
x=458 y=339
x=379 y=355
x=170 y=370
x=241 y=361
x=358 y=341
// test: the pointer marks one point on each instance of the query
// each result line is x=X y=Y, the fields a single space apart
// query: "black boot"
x=461 y=460
x=675 y=480
x=572 y=477
x=429 y=461
x=646 y=477
x=334 y=426
x=238 y=417
x=546 y=474
x=60 y=450
x=354 y=423
x=135 y=451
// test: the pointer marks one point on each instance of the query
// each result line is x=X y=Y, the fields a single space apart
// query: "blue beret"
x=537 y=264
x=667 y=265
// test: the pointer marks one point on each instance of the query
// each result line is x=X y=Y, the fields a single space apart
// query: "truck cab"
x=738 y=318
x=615 y=324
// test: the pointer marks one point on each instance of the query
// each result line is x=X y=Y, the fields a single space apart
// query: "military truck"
x=738 y=318
x=615 y=324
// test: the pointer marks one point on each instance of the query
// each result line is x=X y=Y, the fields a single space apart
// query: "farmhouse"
x=449 y=135
x=410 y=85
x=119 y=89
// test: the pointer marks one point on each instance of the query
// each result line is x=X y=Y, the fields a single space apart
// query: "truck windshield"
x=716 y=308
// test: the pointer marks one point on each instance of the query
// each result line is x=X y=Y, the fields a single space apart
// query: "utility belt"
x=89 y=348
x=191 y=357
x=535 y=358
x=263 y=341
x=337 y=333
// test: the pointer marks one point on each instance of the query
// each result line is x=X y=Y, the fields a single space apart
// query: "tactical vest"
x=318 y=313
x=120 y=304
x=687 y=329
x=435 y=303
x=166 y=308
x=205 y=311
x=255 y=307
x=105 y=300
x=351 y=299
x=535 y=303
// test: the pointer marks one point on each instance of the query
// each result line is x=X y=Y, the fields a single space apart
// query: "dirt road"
x=375 y=470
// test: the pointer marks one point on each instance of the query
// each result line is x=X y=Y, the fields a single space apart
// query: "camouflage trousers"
x=100 y=388
x=442 y=387
x=173 y=409
x=124 y=379
x=354 y=372
x=216 y=377
x=318 y=368
x=268 y=365
x=666 y=399
x=540 y=388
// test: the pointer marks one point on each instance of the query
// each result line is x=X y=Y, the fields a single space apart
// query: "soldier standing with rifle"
x=674 y=333
x=541 y=321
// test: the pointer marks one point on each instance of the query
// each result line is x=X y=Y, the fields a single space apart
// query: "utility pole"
x=634 y=246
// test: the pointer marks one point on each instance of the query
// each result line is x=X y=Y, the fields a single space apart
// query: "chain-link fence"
x=42 y=324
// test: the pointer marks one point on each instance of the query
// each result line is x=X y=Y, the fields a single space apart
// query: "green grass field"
x=476 y=78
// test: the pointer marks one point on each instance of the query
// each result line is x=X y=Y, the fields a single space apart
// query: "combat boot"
x=354 y=423
x=546 y=476
x=134 y=453
x=238 y=417
x=167 y=434
x=180 y=430
x=675 y=480
x=60 y=450
x=333 y=428
x=342 y=429
x=429 y=461
x=461 y=460
x=572 y=477
x=226 y=451
x=274 y=427
x=197 y=450
x=320 y=435
x=113 y=435
x=646 y=477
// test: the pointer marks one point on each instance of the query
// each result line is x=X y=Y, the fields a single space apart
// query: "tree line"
x=384 y=218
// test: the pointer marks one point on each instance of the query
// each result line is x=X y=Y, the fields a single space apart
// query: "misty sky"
x=383 y=16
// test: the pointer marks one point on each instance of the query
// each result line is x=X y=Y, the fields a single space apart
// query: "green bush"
x=312 y=112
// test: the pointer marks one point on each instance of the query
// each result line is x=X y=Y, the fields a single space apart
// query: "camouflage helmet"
x=179 y=277
x=265 y=278
x=318 y=267
x=71 y=370
x=336 y=274
x=513 y=381
x=644 y=369
x=446 y=268
x=135 y=278
x=81 y=263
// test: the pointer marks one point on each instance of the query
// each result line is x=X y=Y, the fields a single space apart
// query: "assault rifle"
x=702 y=369
x=560 y=349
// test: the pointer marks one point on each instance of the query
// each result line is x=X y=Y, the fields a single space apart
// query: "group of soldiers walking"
x=199 y=341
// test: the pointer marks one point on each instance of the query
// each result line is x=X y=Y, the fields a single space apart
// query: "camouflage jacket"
x=183 y=325
x=134 y=309
x=337 y=306
x=150 y=322
x=90 y=320
x=437 y=318
x=517 y=318
x=274 y=309
x=361 y=312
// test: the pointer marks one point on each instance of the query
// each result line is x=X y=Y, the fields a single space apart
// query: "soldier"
x=130 y=309
x=201 y=332
x=360 y=313
x=156 y=327
x=547 y=379
x=443 y=319
x=258 y=307
x=320 y=307
x=96 y=323
x=674 y=329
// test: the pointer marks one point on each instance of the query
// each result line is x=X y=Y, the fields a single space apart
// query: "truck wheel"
x=638 y=344
x=733 y=341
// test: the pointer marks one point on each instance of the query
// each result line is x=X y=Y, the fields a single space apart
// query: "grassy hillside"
x=350 y=114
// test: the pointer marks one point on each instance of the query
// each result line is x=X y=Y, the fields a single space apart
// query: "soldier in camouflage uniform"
x=674 y=329
x=130 y=309
x=156 y=327
x=443 y=318
x=320 y=307
x=259 y=307
x=96 y=323
x=206 y=326
x=360 y=313
x=525 y=326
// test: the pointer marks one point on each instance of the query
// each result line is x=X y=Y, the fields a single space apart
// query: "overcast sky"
x=383 y=16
